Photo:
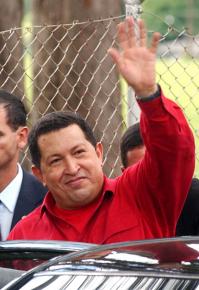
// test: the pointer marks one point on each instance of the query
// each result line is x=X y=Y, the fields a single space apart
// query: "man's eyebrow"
x=71 y=149
x=77 y=146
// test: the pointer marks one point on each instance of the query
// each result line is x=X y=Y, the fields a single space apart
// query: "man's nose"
x=71 y=166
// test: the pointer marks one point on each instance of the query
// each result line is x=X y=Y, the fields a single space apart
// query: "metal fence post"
x=133 y=8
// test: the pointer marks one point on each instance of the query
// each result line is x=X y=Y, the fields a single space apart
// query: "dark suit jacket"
x=188 y=223
x=30 y=196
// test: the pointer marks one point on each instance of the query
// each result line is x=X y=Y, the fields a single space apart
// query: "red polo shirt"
x=144 y=202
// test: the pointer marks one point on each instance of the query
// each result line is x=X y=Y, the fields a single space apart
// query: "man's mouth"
x=75 y=181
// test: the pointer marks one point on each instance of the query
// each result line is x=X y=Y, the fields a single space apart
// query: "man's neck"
x=7 y=175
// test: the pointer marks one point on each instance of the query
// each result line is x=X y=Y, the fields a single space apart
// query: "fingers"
x=142 y=35
x=126 y=33
x=115 y=55
x=154 y=43
x=127 y=37
x=122 y=37
x=130 y=26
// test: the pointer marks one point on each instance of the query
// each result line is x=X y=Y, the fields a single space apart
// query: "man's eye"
x=54 y=161
x=80 y=151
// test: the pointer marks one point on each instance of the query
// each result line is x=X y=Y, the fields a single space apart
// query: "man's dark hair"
x=53 y=122
x=15 y=110
x=132 y=138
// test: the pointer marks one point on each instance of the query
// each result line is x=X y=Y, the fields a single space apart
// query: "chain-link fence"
x=66 y=67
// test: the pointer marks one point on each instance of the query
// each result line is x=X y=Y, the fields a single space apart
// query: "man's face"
x=135 y=154
x=70 y=167
x=9 y=142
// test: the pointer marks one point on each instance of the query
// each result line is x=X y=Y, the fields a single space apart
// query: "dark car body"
x=151 y=264
x=16 y=257
x=24 y=255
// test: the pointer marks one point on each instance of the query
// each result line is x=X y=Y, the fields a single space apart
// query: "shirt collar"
x=109 y=185
x=108 y=188
x=10 y=194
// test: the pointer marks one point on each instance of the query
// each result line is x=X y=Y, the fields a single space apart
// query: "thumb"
x=115 y=55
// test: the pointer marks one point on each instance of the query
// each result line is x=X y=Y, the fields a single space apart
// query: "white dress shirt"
x=8 y=198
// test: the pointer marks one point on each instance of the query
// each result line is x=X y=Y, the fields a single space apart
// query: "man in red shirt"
x=145 y=201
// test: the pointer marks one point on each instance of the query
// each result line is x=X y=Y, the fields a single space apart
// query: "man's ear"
x=22 y=137
x=99 y=150
x=37 y=172
x=122 y=168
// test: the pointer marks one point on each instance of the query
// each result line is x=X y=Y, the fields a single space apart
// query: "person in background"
x=132 y=147
x=82 y=204
x=20 y=191
x=132 y=150
x=188 y=223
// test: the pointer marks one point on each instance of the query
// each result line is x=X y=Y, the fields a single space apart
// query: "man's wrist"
x=150 y=96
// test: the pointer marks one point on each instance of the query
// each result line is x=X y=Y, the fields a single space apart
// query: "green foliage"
x=179 y=81
x=181 y=14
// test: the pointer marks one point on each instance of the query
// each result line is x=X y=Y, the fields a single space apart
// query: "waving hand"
x=136 y=62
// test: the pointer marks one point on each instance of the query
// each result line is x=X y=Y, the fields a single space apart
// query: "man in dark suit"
x=20 y=191
x=31 y=195
x=188 y=223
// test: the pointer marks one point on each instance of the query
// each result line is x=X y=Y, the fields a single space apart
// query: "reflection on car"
x=16 y=257
x=150 y=264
